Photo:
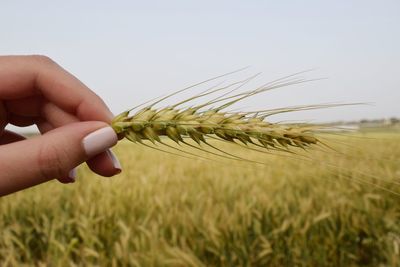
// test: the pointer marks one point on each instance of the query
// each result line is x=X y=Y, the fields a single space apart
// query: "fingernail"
x=115 y=161
x=72 y=175
x=98 y=141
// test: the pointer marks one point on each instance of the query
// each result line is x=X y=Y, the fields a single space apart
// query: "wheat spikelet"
x=202 y=122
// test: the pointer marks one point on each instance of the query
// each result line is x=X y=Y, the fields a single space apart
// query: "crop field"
x=339 y=209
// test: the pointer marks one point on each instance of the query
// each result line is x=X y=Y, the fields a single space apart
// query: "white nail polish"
x=98 y=141
x=115 y=161
x=72 y=174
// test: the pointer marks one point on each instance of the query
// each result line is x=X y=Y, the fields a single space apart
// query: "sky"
x=131 y=51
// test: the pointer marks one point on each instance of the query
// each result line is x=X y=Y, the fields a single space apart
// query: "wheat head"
x=150 y=124
x=203 y=122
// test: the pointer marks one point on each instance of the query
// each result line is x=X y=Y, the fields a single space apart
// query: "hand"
x=73 y=121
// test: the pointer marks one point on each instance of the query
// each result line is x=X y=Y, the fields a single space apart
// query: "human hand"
x=72 y=119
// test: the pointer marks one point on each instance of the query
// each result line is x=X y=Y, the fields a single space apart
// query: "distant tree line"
x=393 y=121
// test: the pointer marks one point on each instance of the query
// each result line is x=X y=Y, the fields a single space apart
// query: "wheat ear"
x=203 y=122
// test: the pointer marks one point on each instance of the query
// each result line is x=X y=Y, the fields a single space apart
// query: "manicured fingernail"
x=98 y=141
x=115 y=161
x=72 y=175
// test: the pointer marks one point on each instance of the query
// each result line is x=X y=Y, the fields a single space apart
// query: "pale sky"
x=132 y=51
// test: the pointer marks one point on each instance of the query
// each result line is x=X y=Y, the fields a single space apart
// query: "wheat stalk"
x=203 y=121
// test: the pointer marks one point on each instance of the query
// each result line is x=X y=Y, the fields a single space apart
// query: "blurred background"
x=132 y=51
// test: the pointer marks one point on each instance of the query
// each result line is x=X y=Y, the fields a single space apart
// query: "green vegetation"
x=165 y=210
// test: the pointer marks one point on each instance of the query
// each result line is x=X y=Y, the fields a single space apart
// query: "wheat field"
x=164 y=210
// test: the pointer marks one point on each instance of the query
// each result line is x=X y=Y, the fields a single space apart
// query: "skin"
x=34 y=90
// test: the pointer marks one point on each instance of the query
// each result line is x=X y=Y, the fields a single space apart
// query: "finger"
x=44 y=127
x=104 y=164
x=24 y=76
x=26 y=106
x=7 y=137
x=56 y=116
x=52 y=155
x=25 y=111
x=68 y=179
x=3 y=116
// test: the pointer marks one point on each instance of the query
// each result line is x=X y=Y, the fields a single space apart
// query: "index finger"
x=23 y=76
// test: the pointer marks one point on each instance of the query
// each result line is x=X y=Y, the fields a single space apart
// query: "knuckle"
x=52 y=161
x=42 y=59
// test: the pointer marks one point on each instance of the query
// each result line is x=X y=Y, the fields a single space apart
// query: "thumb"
x=52 y=155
